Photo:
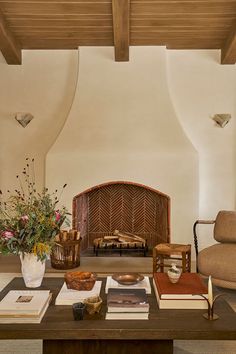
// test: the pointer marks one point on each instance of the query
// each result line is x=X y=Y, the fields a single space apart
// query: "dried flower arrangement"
x=29 y=220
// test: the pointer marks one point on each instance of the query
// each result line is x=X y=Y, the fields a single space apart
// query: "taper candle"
x=210 y=293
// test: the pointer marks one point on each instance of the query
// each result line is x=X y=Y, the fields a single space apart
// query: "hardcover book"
x=144 y=284
x=127 y=316
x=182 y=295
x=127 y=300
x=70 y=296
x=24 y=306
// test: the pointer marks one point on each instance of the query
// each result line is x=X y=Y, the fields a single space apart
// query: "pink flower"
x=7 y=234
x=25 y=218
x=57 y=215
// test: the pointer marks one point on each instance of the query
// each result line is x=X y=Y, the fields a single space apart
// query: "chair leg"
x=154 y=259
x=184 y=262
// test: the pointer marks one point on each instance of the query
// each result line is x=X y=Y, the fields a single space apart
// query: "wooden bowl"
x=80 y=280
x=127 y=278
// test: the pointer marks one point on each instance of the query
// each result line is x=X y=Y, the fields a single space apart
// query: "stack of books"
x=24 y=306
x=70 y=296
x=185 y=294
x=127 y=304
x=143 y=284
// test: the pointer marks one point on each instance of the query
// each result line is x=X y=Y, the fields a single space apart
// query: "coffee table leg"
x=107 y=346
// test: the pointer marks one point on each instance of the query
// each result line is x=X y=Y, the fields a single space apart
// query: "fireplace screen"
x=128 y=207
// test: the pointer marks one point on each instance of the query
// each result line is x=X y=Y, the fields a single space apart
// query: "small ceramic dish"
x=93 y=304
x=127 y=278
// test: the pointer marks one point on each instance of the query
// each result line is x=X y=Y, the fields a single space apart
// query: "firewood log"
x=124 y=237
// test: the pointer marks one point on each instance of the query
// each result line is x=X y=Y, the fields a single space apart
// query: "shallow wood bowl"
x=80 y=280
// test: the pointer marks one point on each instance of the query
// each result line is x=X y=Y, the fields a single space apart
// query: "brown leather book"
x=189 y=286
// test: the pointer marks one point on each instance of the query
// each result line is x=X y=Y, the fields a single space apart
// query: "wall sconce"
x=222 y=119
x=23 y=118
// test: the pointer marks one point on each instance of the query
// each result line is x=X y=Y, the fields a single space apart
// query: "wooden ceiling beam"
x=9 y=46
x=120 y=12
x=228 y=52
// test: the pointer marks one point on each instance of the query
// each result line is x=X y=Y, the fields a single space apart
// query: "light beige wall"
x=43 y=85
x=129 y=118
x=122 y=126
x=201 y=87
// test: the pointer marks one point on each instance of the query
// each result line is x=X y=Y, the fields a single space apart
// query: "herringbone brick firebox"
x=125 y=206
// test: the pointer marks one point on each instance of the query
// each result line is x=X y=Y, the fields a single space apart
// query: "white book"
x=126 y=316
x=113 y=284
x=27 y=319
x=24 y=303
x=70 y=296
x=198 y=304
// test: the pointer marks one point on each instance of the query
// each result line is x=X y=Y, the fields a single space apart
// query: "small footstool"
x=171 y=251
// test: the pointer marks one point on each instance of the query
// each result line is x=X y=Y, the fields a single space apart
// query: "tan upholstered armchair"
x=219 y=260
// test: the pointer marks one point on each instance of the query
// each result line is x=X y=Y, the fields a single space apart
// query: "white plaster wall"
x=117 y=125
x=122 y=126
x=43 y=85
x=200 y=87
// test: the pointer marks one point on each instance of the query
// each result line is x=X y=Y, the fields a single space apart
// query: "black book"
x=127 y=300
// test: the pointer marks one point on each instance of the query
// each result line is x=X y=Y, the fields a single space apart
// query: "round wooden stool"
x=171 y=252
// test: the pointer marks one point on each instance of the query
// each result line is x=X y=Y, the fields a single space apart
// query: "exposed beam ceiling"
x=9 y=46
x=228 y=53
x=120 y=13
x=68 y=24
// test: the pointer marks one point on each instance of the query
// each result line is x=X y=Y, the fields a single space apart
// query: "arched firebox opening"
x=129 y=207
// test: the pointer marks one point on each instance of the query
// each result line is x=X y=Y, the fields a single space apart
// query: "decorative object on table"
x=29 y=222
x=80 y=280
x=24 y=306
x=78 y=311
x=32 y=269
x=186 y=294
x=93 y=304
x=210 y=315
x=142 y=284
x=127 y=278
x=70 y=296
x=65 y=253
x=174 y=274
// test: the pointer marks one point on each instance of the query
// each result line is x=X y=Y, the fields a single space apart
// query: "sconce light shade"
x=23 y=118
x=222 y=119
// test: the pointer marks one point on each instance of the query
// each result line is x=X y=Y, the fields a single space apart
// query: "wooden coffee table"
x=61 y=334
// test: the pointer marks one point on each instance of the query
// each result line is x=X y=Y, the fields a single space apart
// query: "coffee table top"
x=58 y=321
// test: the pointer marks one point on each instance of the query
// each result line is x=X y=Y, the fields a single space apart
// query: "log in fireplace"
x=131 y=208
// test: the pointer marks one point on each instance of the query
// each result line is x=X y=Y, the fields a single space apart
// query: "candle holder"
x=210 y=315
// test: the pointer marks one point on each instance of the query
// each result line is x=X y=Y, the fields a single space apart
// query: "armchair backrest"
x=225 y=226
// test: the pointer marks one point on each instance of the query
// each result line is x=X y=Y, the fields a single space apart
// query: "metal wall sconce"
x=222 y=119
x=23 y=118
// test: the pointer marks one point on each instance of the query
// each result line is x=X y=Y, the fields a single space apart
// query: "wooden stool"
x=172 y=252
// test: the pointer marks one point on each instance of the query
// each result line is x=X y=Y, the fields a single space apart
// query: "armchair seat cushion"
x=219 y=261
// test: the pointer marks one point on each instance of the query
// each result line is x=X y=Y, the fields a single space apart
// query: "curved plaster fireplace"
x=122 y=126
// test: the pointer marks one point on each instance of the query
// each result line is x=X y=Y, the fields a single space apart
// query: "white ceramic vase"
x=32 y=270
x=174 y=274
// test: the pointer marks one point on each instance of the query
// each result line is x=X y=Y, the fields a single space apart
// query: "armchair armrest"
x=204 y=222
